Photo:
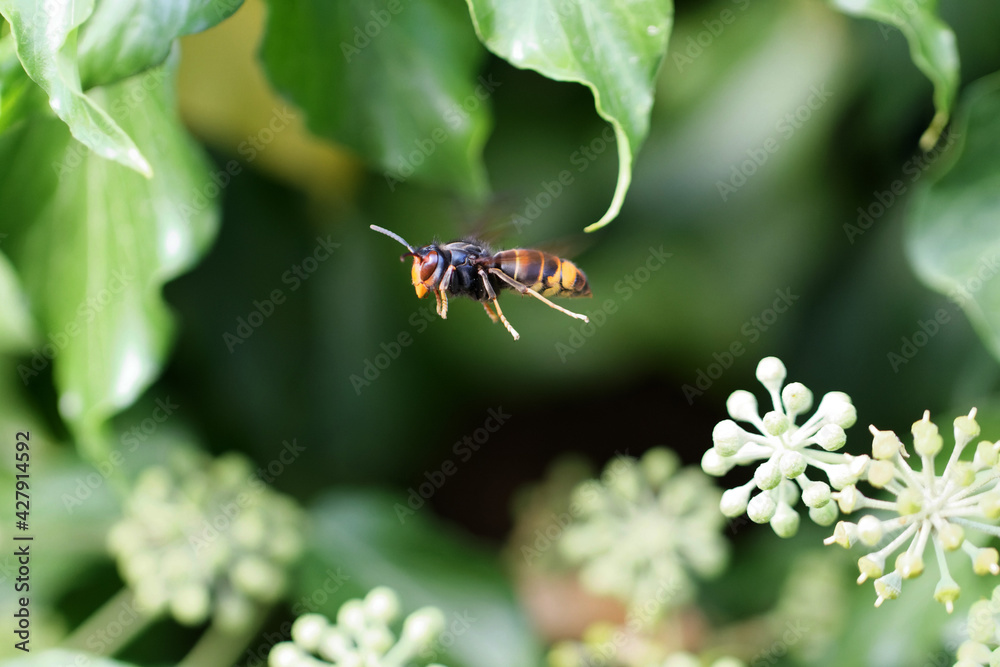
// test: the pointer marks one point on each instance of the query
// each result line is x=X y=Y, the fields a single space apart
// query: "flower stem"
x=222 y=647
x=111 y=627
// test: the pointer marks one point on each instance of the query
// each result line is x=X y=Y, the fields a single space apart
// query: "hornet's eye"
x=427 y=266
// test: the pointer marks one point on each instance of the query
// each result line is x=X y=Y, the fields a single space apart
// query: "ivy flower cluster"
x=361 y=637
x=982 y=648
x=643 y=530
x=785 y=452
x=206 y=538
x=613 y=646
x=928 y=508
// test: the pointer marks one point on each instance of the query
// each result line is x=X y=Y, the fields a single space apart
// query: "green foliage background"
x=156 y=191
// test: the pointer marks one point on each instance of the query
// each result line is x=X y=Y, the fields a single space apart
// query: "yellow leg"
x=443 y=289
x=493 y=316
x=496 y=304
x=524 y=289
x=439 y=305
x=503 y=319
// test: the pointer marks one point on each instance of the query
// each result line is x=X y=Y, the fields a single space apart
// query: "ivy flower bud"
x=885 y=444
x=986 y=454
x=728 y=437
x=776 y=423
x=985 y=561
x=797 y=398
x=816 y=494
x=880 y=473
x=927 y=441
x=361 y=636
x=909 y=565
x=831 y=437
x=888 y=587
x=761 y=508
x=871 y=566
x=771 y=373
x=742 y=406
x=870 y=530
x=951 y=535
x=824 y=515
x=785 y=521
x=792 y=464
x=767 y=475
x=734 y=501
x=946 y=592
x=836 y=406
x=714 y=464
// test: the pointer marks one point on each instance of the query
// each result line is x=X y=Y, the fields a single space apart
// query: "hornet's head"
x=428 y=265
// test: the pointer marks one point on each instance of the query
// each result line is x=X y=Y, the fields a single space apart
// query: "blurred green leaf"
x=615 y=50
x=61 y=658
x=932 y=48
x=393 y=80
x=953 y=240
x=94 y=242
x=125 y=37
x=375 y=541
x=45 y=38
x=15 y=86
x=16 y=328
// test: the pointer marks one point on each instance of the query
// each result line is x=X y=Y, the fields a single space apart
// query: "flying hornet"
x=471 y=269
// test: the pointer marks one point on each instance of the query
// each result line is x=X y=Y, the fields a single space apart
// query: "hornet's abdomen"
x=545 y=273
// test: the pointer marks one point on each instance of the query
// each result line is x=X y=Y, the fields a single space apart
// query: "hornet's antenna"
x=392 y=235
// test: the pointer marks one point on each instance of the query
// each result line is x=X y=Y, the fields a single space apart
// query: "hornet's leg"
x=524 y=289
x=437 y=297
x=442 y=292
x=496 y=304
x=493 y=316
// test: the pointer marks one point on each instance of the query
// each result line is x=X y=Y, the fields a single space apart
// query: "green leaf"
x=17 y=92
x=61 y=658
x=45 y=38
x=16 y=327
x=932 y=48
x=615 y=49
x=94 y=242
x=395 y=81
x=953 y=239
x=125 y=37
x=363 y=540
